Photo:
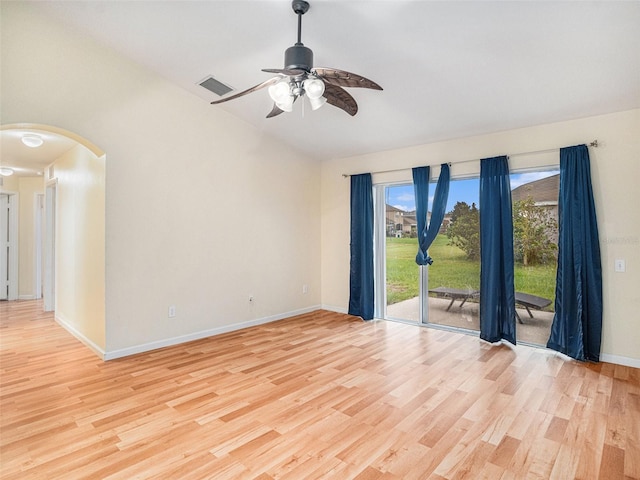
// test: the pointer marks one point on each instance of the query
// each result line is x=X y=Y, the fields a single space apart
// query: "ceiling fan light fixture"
x=313 y=87
x=281 y=95
x=280 y=92
x=32 y=141
x=287 y=105
x=316 y=103
x=6 y=172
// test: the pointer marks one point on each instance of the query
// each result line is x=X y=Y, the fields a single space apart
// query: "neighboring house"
x=446 y=221
x=403 y=224
x=399 y=222
x=544 y=193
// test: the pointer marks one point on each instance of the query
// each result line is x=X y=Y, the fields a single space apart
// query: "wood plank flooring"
x=321 y=395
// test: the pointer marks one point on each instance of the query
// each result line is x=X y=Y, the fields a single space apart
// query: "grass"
x=451 y=268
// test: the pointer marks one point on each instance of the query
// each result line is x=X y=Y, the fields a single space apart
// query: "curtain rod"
x=593 y=144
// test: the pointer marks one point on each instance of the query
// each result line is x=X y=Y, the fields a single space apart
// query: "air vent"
x=215 y=86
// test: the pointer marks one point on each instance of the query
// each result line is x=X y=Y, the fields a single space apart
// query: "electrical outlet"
x=172 y=311
x=620 y=265
x=250 y=298
x=305 y=289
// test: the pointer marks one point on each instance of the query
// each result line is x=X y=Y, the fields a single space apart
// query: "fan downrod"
x=300 y=7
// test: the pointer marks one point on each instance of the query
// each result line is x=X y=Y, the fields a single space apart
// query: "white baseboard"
x=619 y=360
x=79 y=335
x=331 y=308
x=604 y=357
x=145 y=347
x=26 y=297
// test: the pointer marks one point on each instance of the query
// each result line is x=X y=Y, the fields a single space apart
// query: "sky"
x=402 y=196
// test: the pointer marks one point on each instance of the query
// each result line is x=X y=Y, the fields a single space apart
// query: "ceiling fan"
x=299 y=78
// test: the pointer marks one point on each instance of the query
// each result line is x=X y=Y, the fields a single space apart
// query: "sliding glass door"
x=534 y=197
x=454 y=277
x=446 y=293
x=400 y=243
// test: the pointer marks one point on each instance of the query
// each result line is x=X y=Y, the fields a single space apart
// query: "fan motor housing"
x=298 y=57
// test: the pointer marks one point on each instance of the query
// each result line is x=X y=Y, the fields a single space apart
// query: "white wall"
x=615 y=174
x=80 y=245
x=202 y=210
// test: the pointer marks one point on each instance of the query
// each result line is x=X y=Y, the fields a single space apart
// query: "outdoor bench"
x=525 y=300
x=530 y=301
x=455 y=294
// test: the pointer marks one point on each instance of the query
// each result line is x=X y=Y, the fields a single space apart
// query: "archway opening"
x=63 y=244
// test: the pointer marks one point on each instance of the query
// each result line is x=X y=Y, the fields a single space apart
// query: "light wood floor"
x=321 y=395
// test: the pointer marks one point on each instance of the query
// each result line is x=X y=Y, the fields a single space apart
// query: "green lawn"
x=451 y=268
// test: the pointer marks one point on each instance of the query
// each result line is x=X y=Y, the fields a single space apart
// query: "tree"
x=534 y=233
x=464 y=229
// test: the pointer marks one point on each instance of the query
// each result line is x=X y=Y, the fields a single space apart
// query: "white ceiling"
x=448 y=69
x=27 y=161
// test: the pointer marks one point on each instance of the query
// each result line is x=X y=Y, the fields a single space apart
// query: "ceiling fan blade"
x=274 y=111
x=339 y=97
x=248 y=90
x=294 y=72
x=344 y=79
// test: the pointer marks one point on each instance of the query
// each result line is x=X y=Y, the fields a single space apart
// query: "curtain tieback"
x=423 y=258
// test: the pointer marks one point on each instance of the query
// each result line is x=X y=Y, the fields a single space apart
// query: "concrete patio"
x=533 y=330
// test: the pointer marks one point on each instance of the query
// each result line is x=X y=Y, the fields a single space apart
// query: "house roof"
x=544 y=190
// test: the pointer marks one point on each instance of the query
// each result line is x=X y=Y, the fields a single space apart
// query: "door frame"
x=379 y=252
x=38 y=242
x=380 y=258
x=50 y=214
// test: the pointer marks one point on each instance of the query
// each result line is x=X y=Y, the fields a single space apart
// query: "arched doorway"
x=65 y=176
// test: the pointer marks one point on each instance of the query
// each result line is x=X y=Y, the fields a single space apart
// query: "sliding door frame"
x=380 y=258
x=379 y=252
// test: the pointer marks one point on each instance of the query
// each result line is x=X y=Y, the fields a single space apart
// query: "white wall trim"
x=79 y=335
x=49 y=254
x=38 y=242
x=331 y=308
x=620 y=360
x=145 y=347
x=605 y=357
x=27 y=297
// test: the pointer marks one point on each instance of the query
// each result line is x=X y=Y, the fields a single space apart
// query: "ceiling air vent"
x=215 y=86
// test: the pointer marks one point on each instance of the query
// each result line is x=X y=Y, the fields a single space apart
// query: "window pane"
x=402 y=272
x=535 y=238
x=454 y=277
